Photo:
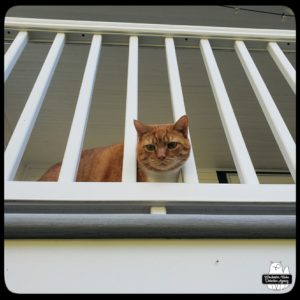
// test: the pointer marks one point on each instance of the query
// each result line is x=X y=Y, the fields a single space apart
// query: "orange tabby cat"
x=162 y=149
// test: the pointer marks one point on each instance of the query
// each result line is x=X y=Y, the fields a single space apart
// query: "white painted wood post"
x=14 y=51
x=73 y=150
x=129 y=170
x=19 y=139
x=189 y=169
x=283 y=64
x=158 y=210
x=232 y=130
x=279 y=129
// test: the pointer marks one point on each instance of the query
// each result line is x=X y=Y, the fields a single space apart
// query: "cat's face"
x=163 y=147
x=276 y=267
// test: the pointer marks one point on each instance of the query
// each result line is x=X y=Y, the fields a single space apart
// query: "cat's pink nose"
x=161 y=153
x=161 y=156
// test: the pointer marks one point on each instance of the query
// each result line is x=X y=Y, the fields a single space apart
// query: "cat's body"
x=98 y=164
x=161 y=151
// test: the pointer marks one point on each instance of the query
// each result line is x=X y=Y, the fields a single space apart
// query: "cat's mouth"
x=165 y=165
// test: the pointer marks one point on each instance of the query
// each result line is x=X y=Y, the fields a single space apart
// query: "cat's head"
x=163 y=147
x=276 y=267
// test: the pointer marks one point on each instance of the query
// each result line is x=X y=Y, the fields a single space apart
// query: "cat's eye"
x=172 y=145
x=150 y=147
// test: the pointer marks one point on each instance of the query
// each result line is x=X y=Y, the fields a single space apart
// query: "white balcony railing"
x=155 y=195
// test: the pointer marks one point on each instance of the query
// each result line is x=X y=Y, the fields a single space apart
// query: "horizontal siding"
x=268 y=178
x=32 y=173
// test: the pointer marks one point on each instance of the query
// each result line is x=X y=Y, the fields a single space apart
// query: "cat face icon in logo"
x=278 y=278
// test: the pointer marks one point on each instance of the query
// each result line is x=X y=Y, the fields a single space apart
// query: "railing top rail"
x=149 y=29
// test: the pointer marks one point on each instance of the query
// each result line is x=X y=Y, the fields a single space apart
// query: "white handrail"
x=149 y=29
x=152 y=193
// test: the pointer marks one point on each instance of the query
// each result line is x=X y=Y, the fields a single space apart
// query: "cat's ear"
x=182 y=125
x=141 y=128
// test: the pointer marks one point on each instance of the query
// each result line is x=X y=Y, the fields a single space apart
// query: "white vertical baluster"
x=130 y=140
x=280 y=131
x=189 y=169
x=234 y=136
x=19 y=139
x=14 y=51
x=76 y=136
x=283 y=64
